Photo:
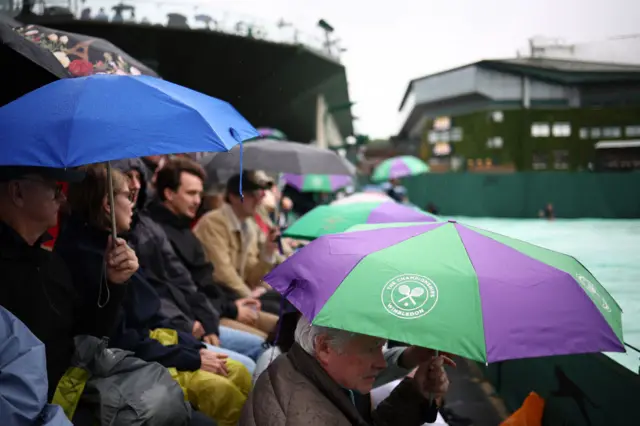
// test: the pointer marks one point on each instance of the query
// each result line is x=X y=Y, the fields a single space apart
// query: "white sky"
x=391 y=42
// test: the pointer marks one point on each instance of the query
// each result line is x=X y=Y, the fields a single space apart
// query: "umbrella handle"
x=112 y=203
x=431 y=396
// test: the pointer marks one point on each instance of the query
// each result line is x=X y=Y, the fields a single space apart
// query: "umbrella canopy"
x=364 y=197
x=454 y=288
x=332 y=219
x=39 y=56
x=317 y=183
x=83 y=55
x=398 y=167
x=280 y=157
x=77 y=121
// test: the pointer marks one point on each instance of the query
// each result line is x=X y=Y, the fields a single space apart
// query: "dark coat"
x=181 y=300
x=191 y=253
x=295 y=390
x=38 y=288
x=140 y=311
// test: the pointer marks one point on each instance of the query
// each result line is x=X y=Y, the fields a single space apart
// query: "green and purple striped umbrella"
x=455 y=288
x=317 y=183
x=398 y=167
x=334 y=218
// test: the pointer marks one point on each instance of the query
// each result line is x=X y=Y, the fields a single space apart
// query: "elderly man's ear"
x=323 y=349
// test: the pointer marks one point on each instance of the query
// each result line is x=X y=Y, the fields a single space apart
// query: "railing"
x=196 y=15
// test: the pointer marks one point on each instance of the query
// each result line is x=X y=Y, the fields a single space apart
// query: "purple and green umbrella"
x=317 y=183
x=454 y=288
x=334 y=218
x=398 y=167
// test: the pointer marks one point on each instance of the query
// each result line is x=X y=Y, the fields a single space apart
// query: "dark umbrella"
x=24 y=66
x=279 y=157
x=33 y=56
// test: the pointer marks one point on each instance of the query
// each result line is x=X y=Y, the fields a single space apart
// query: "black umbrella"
x=279 y=157
x=32 y=56
x=24 y=66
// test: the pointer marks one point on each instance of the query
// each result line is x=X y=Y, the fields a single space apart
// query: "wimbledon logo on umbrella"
x=409 y=296
x=591 y=288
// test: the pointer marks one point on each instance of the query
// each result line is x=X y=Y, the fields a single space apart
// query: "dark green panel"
x=574 y=194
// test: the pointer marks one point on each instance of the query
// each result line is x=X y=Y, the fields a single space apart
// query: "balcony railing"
x=179 y=14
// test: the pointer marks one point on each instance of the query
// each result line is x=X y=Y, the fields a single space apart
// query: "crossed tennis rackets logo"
x=409 y=296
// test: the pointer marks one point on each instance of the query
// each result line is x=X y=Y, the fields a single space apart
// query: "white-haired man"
x=326 y=377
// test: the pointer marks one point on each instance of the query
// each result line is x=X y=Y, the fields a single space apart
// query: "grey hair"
x=306 y=334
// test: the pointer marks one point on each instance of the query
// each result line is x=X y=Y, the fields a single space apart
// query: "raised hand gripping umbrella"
x=398 y=167
x=331 y=219
x=453 y=288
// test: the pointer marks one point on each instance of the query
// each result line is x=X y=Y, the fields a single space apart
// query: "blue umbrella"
x=77 y=121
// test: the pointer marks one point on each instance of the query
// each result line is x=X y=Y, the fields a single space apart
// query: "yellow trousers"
x=218 y=397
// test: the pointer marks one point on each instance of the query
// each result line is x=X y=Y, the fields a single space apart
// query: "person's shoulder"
x=213 y=218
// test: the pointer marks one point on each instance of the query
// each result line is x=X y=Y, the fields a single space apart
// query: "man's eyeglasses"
x=54 y=187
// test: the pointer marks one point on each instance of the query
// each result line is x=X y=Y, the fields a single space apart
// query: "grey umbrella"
x=278 y=157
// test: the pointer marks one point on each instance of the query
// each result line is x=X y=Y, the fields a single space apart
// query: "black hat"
x=249 y=183
x=8 y=173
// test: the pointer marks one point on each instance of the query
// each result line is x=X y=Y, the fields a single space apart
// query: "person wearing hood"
x=189 y=307
x=215 y=385
x=23 y=377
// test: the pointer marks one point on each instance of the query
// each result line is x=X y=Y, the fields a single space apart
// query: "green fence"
x=579 y=390
x=522 y=195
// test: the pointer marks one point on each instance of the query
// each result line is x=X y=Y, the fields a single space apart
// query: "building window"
x=632 y=131
x=611 y=132
x=584 y=133
x=561 y=159
x=495 y=142
x=561 y=130
x=540 y=130
x=539 y=161
x=433 y=136
x=595 y=132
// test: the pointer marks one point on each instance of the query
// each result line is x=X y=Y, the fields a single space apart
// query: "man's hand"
x=415 y=355
x=198 y=330
x=121 y=261
x=213 y=362
x=212 y=339
x=431 y=378
x=256 y=293
x=271 y=245
x=247 y=310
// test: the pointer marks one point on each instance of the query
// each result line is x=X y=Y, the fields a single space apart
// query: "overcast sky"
x=391 y=42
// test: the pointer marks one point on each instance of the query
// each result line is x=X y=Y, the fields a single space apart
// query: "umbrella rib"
x=179 y=103
x=484 y=334
x=73 y=121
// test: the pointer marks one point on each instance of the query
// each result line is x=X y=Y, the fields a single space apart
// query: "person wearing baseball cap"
x=230 y=238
